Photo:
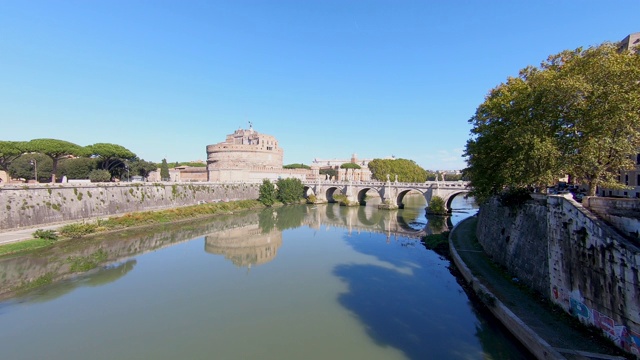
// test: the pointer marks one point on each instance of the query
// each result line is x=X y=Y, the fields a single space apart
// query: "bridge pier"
x=389 y=197
x=352 y=197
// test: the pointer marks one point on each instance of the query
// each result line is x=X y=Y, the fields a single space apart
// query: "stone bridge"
x=390 y=192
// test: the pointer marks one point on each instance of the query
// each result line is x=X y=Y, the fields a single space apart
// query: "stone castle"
x=248 y=156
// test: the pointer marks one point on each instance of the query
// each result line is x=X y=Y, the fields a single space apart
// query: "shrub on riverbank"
x=268 y=193
x=290 y=190
x=437 y=206
x=45 y=234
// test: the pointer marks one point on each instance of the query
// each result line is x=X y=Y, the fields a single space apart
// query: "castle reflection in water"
x=258 y=243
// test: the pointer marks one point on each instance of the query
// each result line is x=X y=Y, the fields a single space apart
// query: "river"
x=296 y=282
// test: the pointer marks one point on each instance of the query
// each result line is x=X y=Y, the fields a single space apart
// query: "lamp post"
x=35 y=168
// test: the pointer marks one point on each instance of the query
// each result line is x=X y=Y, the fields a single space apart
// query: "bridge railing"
x=426 y=184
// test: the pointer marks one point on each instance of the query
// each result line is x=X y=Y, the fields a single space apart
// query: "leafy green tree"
x=350 y=166
x=290 y=190
x=100 y=175
x=9 y=151
x=575 y=114
x=55 y=150
x=452 y=177
x=406 y=170
x=141 y=167
x=164 y=170
x=25 y=166
x=331 y=172
x=110 y=155
x=437 y=206
x=297 y=166
x=78 y=168
x=268 y=194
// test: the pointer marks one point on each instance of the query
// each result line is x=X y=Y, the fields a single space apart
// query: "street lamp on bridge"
x=35 y=168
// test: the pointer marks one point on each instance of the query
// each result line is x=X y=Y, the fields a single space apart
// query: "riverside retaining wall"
x=556 y=246
x=27 y=206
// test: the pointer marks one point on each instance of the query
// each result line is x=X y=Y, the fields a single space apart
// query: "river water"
x=297 y=282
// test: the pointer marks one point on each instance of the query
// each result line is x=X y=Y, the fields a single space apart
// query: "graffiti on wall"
x=626 y=338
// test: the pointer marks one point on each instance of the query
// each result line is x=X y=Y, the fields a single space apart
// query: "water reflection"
x=337 y=289
x=246 y=239
x=246 y=246
x=98 y=277
x=410 y=301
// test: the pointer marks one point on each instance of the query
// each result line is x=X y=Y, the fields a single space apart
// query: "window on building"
x=626 y=179
x=638 y=159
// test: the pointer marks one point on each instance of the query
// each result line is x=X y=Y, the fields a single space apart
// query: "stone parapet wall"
x=623 y=214
x=593 y=271
x=27 y=206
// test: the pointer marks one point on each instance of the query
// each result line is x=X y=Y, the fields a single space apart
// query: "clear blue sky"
x=326 y=78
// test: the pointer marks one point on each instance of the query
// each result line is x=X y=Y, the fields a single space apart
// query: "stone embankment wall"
x=623 y=214
x=517 y=240
x=591 y=270
x=26 y=206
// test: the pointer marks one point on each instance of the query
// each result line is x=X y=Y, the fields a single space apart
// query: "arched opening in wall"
x=458 y=202
x=309 y=194
x=329 y=194
x=411 y=198
x=369 y=196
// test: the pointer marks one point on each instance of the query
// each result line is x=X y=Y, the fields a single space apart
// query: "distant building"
x=248 y=156
x=631 y=42
x=362 y=174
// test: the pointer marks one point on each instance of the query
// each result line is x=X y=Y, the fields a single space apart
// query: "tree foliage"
x=350 y=166
x=268 y=194
x=406 y=170
x=100 y=175
x=9 y=151
x=141 y=167
x=437 y=206
x=297 y=166
x=25 y=166
x=109 y=154
x=164 y=170
x=290 y=190
x=77 y=168
x=333 y=173
x=55 y=150
x=577 y=114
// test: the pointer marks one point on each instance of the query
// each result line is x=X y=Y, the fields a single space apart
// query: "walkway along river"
x=312 y=282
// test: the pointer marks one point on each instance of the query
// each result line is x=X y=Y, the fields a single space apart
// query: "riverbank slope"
x=545 y=330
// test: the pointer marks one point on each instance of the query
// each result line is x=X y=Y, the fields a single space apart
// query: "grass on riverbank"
x=25 y=245
x=77 y=230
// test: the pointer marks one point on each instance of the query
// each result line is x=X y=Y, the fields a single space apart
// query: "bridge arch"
x=450 y=198
x=404 y=193
x=362 y=195
x=308 y=191
x=329 y=193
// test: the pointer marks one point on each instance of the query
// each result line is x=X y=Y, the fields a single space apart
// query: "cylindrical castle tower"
x=241 y=151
